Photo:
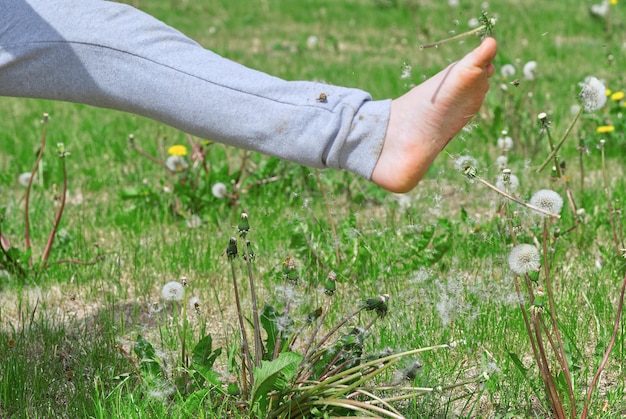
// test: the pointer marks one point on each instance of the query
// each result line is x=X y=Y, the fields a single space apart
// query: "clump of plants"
x=535 y=235
x=288 y=364
x=19 y=262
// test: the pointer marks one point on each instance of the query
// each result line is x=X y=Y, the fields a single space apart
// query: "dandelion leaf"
x=195 y=400
x=146 y=353
x=270 y=319
x=272 y=376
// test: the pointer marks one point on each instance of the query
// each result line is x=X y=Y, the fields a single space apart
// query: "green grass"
x=67 y=333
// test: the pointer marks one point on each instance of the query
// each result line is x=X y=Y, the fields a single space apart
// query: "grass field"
x=98 y=339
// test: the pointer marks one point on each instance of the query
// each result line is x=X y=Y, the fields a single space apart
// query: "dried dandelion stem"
x=480 y=30
x=607 y=353
x=514 y=199
x=57 y=219
x=30 y=184
x=556 y=148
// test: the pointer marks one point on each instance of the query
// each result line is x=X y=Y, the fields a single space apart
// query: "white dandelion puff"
x=466 y=165
x=502 y=162
x=219 y=190
x=507 y=182
x=524 y=258
x=24 y=178
x=195 y=303
x=547 y=200
x=194 y=221
x=505 y=143
x=507 y=70
x=600 y=10
x=592 y=94
x=473 y=23
x=176 y=164
x=173 y=291
x=529 y=70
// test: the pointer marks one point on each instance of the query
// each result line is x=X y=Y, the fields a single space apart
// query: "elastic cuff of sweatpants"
x=364 y=142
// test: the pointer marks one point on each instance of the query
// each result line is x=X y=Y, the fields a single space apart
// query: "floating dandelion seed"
x=177 y=150
x=507 y=70
x=176 y=164
x=524 y=258
x=219 y=190
x=529 y=70
x=406 y=71
x=173 y=291
x=592 y=94
x=547 y=200
x=24 y=179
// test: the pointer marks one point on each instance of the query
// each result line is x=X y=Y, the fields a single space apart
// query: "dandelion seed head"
x=466 y=165
x=173 y=291
x=592 y=94
x=507 y=183
x=507 y=70
x=195 y=303
x=547 y=200
x=505 y=143
x=176 y=164
x=524 y=258
x=502 y=162
x=529 y=70
x=194 y=221
x=219 y=190
x=24 y=179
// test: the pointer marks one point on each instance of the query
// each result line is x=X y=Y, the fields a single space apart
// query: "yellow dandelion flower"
x=614 y=2
x=177 y=150
x=617 y=96
x=603 y=129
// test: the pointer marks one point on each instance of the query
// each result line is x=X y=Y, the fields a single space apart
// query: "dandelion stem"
x=608 y=200
x=512 y=198
x=247 y=359
x=555 y=326
x=607 y=353
x=57 y=219
x=476 y=31
x=555 y=150
x=258 y=343
x=30 y=184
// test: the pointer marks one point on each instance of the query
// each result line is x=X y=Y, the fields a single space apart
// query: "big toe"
x=484 y=54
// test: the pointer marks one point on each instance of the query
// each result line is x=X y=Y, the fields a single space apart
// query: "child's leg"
x=111 y=55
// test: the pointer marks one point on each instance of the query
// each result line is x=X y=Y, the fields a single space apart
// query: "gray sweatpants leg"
x=111 y=55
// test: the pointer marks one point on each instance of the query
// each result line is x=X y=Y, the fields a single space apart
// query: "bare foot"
x=425 y=119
